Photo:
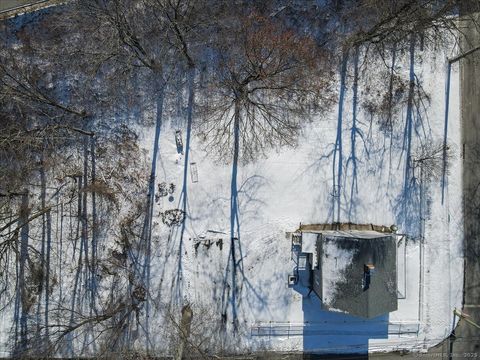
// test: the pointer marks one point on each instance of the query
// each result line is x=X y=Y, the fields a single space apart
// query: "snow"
x=334 y=262
x=309 y=241
x=290 y=186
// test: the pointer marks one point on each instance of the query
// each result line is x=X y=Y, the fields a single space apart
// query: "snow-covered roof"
x=309 y=241
x=340 y=277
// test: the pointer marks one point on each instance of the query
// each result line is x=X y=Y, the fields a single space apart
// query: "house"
x=353 y=271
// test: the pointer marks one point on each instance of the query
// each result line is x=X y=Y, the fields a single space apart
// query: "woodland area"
x=80 y=80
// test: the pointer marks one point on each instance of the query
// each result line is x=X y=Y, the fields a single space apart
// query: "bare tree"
x=132 y=33
x=428 y=160
x=267 y=82
x=73 y=179
x=48 y=148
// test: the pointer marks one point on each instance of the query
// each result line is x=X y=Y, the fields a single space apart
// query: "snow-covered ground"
x=297 y=185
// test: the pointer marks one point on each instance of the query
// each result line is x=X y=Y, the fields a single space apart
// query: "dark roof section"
x=358 y=290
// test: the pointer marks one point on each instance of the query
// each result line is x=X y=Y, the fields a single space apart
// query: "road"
x=10 y=8
x=467 y=339
x=11 y=4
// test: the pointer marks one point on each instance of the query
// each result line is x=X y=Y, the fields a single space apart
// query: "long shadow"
x=21 y=313
x=411 y=205
x=337 y=165
x=230 y=291
x=93 y=231
x=408 y=185
x=75 y=296
x=390 y=114
x=42 y=289
x=147 y=225
x=191 y=98
x=354 y=132
x=388 y=123
x=234 y=279
x=445 y=129
x=184 y=192
x=248 y=191
x=353 y=137
x=177 y=280
x=326 y=333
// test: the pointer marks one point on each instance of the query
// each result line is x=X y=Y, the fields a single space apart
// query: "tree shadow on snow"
x=235 y=277
x=327 y=334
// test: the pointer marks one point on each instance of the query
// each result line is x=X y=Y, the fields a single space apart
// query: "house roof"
x=341 y=279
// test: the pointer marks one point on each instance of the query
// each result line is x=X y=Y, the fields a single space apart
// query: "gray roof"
x=339 y=277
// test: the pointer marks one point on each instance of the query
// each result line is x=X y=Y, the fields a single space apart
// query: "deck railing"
x=291 y=329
